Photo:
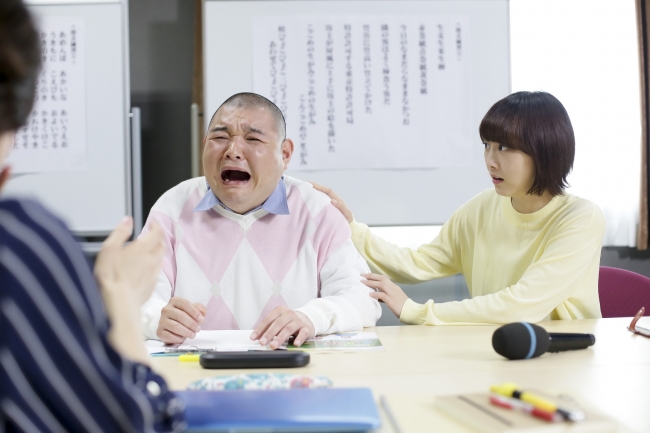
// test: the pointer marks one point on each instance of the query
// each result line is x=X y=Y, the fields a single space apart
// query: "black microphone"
x=524 y=340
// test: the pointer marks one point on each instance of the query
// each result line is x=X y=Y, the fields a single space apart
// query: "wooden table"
x=421 y=362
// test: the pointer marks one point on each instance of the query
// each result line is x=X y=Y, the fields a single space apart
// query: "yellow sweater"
x=518 y=267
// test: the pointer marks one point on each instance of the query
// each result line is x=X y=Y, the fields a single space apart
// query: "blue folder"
x=286 y=410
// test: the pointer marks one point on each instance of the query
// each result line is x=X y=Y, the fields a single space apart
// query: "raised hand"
x=126 y=275
x=131 y=268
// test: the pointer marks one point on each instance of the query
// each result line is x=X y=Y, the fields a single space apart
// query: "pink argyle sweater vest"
x=242 y=266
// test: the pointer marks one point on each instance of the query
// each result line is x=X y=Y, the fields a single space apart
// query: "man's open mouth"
x=232 y=176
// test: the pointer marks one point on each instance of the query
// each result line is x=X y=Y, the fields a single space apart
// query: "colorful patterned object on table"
x=260 y=381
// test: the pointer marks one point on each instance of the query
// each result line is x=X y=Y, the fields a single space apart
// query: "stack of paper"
x=206 y=341
x=342 y=342
x=231 y=341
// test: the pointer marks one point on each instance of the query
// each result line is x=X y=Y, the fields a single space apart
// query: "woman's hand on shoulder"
x=131 y=269
x=336 y=201
x=387 y=292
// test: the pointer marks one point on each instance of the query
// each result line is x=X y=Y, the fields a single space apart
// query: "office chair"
x=622 y=293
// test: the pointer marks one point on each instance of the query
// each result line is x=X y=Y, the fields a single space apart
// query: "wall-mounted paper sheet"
x=369 y=92
x=54 y=138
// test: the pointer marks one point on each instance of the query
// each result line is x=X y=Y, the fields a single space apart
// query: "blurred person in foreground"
x=69 y=359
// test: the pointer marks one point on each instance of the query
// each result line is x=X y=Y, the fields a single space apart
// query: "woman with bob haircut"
x=528 y=251
x=70 y=359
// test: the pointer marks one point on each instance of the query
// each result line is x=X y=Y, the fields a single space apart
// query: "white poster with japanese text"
x=54 y=138
x=369 y=92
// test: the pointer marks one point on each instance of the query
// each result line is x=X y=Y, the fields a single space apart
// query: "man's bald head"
x=253 y=100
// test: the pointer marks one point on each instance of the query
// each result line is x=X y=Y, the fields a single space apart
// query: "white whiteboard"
x=387 y=196
x=349 y=83
x=54 y=136
x=92 y=201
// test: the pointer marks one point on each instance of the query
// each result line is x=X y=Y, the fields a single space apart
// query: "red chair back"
x=622 y=293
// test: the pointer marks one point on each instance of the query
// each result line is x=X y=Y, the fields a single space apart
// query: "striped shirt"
x=58 y=372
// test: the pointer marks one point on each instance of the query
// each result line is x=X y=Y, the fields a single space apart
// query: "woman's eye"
x=501 y=147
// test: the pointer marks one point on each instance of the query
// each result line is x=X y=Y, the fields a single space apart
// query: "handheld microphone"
x=522 y=340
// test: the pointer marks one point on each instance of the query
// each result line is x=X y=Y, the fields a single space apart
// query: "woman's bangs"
x=498 y=129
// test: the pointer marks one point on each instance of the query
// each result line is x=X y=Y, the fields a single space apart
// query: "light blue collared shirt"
x=276 y=203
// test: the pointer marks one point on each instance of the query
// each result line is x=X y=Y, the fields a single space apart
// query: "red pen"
x=514 y=404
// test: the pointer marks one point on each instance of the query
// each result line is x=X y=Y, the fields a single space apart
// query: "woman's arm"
x=563 y=280
x=436 y=259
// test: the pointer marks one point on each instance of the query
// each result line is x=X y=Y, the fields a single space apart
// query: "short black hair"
x=253 y=100
x=20 y=62
x=537 y=124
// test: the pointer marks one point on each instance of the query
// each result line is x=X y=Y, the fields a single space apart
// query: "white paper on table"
x=344 y=342
x=219 y=341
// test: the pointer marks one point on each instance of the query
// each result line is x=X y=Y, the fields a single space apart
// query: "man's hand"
x=389 y=293
x=280 y=324
x=180 y=319
x=337 y=201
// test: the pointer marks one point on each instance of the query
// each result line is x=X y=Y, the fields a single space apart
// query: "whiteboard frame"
x=93 y=213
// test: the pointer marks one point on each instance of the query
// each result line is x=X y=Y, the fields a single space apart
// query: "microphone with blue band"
x=522 y=340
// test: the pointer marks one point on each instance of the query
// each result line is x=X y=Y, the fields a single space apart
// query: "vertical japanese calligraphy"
x=441 y=47
x=368 y=92
x=303 y=131
x=386 y=70
x=367 y=69
x=349 y=103
x=54 y=138
x=403 y=41
x=311 y=74
x=329 y=65
x=273 y=70
x=282 y=58
x=423 y=59
x=459 y=41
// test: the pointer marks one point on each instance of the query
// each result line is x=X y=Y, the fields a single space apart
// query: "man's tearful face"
x=243 y=158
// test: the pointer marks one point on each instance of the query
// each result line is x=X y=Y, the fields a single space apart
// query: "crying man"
x=250 y=248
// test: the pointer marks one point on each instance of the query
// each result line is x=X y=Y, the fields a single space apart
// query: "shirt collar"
x=276 y=203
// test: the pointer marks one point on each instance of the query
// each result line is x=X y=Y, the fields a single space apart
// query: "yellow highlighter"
x=510 y=390
x=189 y=357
